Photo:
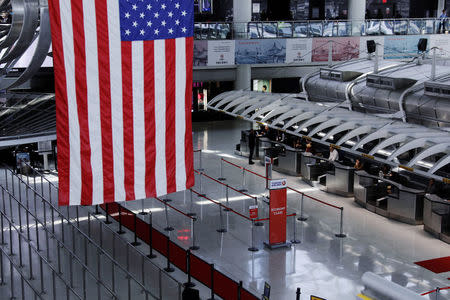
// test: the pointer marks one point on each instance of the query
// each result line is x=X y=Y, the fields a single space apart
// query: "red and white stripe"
x=123 y=111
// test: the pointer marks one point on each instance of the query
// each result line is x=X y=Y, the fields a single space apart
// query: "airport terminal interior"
x=321 y=154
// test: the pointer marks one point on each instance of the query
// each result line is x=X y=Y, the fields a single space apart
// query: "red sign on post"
x=253 y=211
x=277 y=217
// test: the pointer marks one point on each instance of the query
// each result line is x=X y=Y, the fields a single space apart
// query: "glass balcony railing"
x=308 y=29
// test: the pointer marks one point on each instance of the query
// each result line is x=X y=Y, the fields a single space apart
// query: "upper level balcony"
x=309 y=29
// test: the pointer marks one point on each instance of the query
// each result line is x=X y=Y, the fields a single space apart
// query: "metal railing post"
x=120 y=231
x=294 y=231
x=168 y=268
x=189 y=283
x=201 y=167
x=212 y=282
x=227 y=198
x=191 y=213
x=107 y=221
x=297 y=294
x=135 y=242
x=201 y=186
x=302 y=216
x=143 y=212
x=341 y=226
x=222 y=228
x=253 y=248
x=194 y=246
x=168 y=227
x=150 y=237
x=243 y=181
x=221 y=178
x=258 y=223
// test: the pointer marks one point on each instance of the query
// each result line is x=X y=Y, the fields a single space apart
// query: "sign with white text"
x=276 y=184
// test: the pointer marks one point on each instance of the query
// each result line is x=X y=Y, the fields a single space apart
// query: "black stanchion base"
x=340 y=235
x=221 y=230
x=135 y=243
x=194 y=248
x=295 y=241
x=121 y=232
x=151 y=256
x=201 y=169
x=276 y=246
x=169 y=269
x=221 y=179
x=108 y=222
x=253 y=249
x=201 y=195
x=243 y=190
x=189 y=284
x=302 y=219
x=167 y=200
x=259 y=224
x=170 y=228
x=226 y=209
x=191 y=214
x=143 y=213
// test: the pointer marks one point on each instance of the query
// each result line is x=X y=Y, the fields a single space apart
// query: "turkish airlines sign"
x=277 y=184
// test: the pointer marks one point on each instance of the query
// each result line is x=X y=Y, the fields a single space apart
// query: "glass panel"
x=270 y=30
x=284 y=29
x=344 y=28
x=373 y=27
x=315 y=29
x=300 y=29
x=255 y=30
x=400 y=27
x=204 y=31
x=387 y=27
x=212 y=31
x=224 y=30
x=328 y=28
x=417 y=26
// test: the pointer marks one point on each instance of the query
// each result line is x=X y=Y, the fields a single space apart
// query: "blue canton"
x=142 y=20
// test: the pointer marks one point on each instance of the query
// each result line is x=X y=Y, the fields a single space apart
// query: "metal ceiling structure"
x=413 y=148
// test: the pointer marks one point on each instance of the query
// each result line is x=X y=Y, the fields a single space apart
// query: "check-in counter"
x=340 y=180
x=389 y=198
x=288 y=161
x=311 y=168
x=263 y=144
x=436 y=217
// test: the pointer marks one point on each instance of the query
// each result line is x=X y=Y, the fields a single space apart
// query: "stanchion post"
x=190 y=213
x=302 y=216
x=239 y=290
x=168 y=268
x=258 y=223
x=135 y=242
x=201 y=186
x=189 y=283
x=221 y=178
x=341 y=233
x=227 y=198
x=200 y=158
x=212 y=282
x=107 y=221
x=297 y=294
x=222 y=228
x=150 y=237
x=294 y=231
x=143 y=212
x=97 y=212
x=243 y=181
x=438 y=289
x=194 y=241
x=120 y=231
x=253 y=248
x=168 y=227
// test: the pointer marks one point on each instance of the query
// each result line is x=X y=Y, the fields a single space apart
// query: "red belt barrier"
x=174 y=208
x=434 y=291
x=224 y=287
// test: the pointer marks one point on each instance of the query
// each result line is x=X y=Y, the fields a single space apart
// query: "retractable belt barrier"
x=222 y=285
x=436 y=291
x=340 y=234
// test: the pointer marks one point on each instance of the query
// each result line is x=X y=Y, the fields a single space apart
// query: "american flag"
x=123 y=84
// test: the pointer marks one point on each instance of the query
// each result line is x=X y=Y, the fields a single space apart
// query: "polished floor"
x=321 y=265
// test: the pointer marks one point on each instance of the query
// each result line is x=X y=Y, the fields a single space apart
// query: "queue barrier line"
x=220 y=204
x=435 y=290
x=223 y=286
x=267 y=219
x=264 y=177
x=224 y=184
x=174 y=208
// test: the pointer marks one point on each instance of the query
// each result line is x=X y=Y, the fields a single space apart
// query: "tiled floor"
x=322 y=264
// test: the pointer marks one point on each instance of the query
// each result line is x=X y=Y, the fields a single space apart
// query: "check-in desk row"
x=261 y=144
x=389 y=198
x=436 y=217
x=286 y=158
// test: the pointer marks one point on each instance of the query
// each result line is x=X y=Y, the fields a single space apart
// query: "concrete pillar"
x=440 y=7
x=243 y=77
x=356 y=13
x=242 y=13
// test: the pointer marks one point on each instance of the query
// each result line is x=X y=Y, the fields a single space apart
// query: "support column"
x=356 y=13
x=243 y=77
x=242 y=13
x=440 y=7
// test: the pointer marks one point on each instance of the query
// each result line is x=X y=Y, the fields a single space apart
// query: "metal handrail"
x=81 y=232
x=11 y=223
x=22 y=276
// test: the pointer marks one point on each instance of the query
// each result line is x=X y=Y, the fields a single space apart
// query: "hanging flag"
x=123 y=84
